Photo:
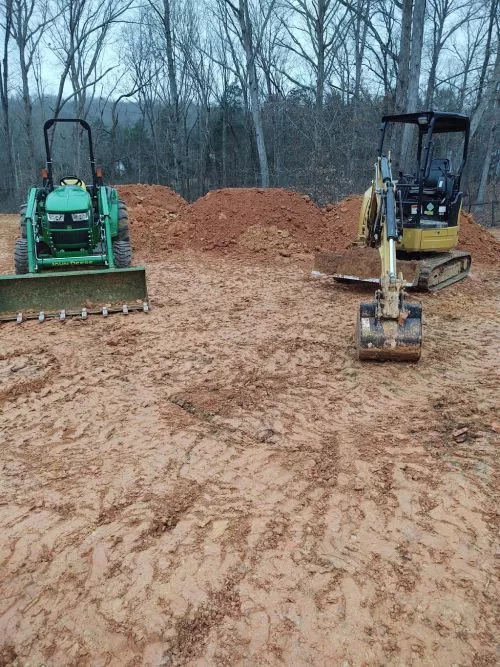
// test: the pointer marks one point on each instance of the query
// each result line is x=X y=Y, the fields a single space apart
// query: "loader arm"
x=30 y=218
x=106 y=220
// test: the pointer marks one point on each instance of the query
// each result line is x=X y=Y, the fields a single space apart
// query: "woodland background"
x=218 y=93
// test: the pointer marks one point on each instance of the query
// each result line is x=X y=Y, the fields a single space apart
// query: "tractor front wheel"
x=122 y=253
x=21 y=256
x=123 y=233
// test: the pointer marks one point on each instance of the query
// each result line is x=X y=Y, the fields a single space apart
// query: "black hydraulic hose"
x=391 y=222
x=390 y=214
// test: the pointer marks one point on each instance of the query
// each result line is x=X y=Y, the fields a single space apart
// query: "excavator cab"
x=428 y=194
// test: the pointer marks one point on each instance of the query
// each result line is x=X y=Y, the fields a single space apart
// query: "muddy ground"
x=220 y=482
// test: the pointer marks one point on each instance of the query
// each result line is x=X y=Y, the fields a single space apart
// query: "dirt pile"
x=237 y=220
x=154 y=217
x=259 y=222
x=475 y=239
x=342 y=222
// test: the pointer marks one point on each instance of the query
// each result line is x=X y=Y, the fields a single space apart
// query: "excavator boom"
x=389 y=328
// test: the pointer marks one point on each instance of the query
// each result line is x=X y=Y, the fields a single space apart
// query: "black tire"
x=122 y=252
x=22 y=221
x=21 y=256
x=123 y=231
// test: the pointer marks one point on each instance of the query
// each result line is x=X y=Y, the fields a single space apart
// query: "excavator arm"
x=388 y=328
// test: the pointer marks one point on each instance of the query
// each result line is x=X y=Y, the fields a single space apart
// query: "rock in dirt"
x=460 y=434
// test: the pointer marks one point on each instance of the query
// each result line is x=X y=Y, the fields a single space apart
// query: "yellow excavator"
x=413 y=221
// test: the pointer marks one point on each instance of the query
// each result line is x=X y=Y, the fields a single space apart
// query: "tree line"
x=224 y=93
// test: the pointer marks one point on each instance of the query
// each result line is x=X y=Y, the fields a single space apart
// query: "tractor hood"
x=68 y=199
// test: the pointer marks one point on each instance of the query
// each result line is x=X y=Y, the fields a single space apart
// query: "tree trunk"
x=487 y=52
x=488 y=97
x=10 y=181
x=177 y=125
x=404 y=57
x=487 y=163
x=360 y=32
x=417 y=38
x=246 y=34
x=436 y=52
x=28 y=123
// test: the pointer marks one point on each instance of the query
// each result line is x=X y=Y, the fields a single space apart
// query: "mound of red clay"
x=342 y=222
x=154 y=212
x=275 y=220
x=475 y=239
x=259 y=221
x=138 y=196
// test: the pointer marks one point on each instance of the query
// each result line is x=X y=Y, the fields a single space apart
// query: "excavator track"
x=442 y=270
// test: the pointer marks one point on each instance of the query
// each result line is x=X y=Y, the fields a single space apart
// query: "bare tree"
x=417 y=38
x=315 y=36
x=442 y=12
x=163 y=9
x=29 y=21
x=251 y=41
x=80 y=33
x=488 y=110
x=10 y=178
x=403 y=77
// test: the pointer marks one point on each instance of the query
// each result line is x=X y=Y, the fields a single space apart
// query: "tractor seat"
x=73 y=180
x=436 y=181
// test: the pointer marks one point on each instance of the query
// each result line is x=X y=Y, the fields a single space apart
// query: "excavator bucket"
x=382 y=339
x=69 y=293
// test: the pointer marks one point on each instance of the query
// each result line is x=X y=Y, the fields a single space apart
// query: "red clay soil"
x=160 y=197
x=250 y=217
x=154 y=217
x=258 y=222
x=475 y=239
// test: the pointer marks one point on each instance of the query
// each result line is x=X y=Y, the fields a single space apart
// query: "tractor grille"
x=69 y=232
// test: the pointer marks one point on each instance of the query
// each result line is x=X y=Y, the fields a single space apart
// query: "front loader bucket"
x=61 y=293
x=389 y=340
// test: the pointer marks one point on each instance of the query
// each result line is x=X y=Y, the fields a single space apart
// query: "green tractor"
x=74 y=256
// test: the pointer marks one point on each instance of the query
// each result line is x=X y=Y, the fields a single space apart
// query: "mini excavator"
x=414 y=222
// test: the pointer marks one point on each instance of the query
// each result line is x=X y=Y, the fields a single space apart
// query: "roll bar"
x=47 y=125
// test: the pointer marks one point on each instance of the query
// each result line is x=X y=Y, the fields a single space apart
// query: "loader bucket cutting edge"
x=54 y=291
x=389 y=340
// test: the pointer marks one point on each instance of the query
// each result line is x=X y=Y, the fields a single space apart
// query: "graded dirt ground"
x=221 y=482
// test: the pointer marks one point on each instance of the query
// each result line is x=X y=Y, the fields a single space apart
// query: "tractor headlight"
x=80 y=217
x=55 y=217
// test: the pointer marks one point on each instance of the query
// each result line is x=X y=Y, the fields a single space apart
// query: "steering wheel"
x=75 y=181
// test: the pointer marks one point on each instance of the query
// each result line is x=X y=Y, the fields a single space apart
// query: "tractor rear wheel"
x=21 y=256
x=22 y=221
x=123 y=233
x=122 y=252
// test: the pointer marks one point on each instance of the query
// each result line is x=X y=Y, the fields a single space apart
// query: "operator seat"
x=436 y=181
x=73 y=180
